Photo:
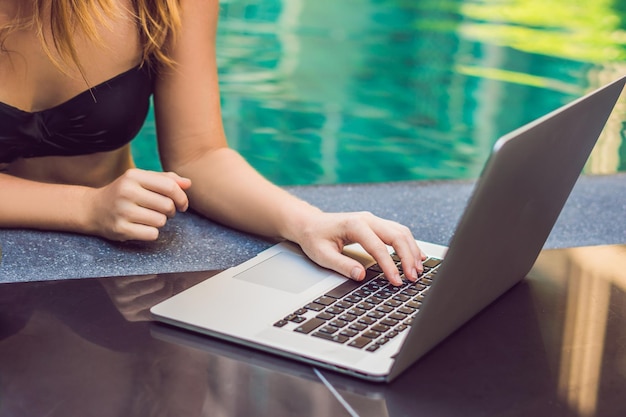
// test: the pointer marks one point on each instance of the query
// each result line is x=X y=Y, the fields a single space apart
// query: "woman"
x=75 y=80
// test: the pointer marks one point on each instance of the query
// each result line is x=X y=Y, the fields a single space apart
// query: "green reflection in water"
x=579 y=30
x=383 y=90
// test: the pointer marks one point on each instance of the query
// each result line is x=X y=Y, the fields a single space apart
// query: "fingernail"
x=397 y=280
x=414 y=274
x=356 y=273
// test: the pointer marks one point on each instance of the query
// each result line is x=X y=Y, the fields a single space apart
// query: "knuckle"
x=357 y=219
x=170 y=187
x=170 y=208
x=402 y=231
x=365 y=216
x=126 y=188
x=131 y=173
x=118 y=231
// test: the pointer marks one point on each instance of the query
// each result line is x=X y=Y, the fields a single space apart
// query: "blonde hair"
x=158 y=22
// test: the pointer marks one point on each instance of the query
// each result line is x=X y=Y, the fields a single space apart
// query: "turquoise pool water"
x=331 y=91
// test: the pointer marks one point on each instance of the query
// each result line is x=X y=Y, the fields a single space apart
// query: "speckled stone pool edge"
x=593 y=215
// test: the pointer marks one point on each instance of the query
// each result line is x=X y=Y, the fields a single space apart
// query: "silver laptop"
x=281 y=302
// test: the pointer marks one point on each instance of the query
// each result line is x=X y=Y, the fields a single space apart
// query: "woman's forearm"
x=37 y=205
x=228 y=190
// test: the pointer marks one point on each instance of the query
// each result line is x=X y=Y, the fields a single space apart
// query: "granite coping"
x=593 y=215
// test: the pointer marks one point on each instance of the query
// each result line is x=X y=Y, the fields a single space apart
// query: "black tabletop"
x=554 y=345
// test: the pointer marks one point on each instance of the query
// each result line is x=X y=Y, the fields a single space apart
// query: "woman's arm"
x=31 y=204
x=134 y=206
x=192 y=143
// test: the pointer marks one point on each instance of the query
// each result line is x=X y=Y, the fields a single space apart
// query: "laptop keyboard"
x=366 y=314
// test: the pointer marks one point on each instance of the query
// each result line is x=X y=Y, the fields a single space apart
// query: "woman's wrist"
x=298 y=220
x=82 y=221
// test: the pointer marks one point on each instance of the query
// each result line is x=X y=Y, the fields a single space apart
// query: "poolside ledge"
x=595 y=214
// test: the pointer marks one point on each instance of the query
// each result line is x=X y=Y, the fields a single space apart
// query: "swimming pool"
x=326 y=91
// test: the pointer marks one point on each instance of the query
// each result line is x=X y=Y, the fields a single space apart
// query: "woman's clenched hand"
x=136 y=205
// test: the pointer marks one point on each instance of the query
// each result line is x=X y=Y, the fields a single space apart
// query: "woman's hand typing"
x=324 y=236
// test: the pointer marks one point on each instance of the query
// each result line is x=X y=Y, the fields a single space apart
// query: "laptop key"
x=362 y=293
x=412 y=290
x=393 y=303
x=389 y=322
x=384 y=309
x=349 y=333
x=325 y=316
x=374 y=300
x=376 y=315
x=391 y=334
x=401 y=297
x=360 y=342
x=357 y=311
x=344 y=289
x=352 y=299
x=382 y=341
x=309 y=326
x=365 y=306
x=379 y=327
x=367 y=320
x=358 y=327
x=371 y=334
x=329 y=329
x=398 y=316
x=334 y=310
x=333 y=338
x=324 y=300
x=315 y=306
x=431 y=262
x=339 y=323
x=347 y=317
x=426 y=281
x=406 y=310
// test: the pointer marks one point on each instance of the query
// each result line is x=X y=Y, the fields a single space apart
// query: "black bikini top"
x=80 y=125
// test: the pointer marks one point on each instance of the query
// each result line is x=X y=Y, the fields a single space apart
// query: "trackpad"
x=285 y=271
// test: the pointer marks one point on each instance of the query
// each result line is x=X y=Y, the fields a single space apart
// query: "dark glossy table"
x=554 y=345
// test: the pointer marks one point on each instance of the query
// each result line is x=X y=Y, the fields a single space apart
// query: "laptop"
x=282 y=303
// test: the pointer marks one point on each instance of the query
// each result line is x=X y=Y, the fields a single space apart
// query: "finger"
x=125 y=230
x=182 y=182
x=164 y=184
x=411 y=260
x=137 y=214
x=409 y=253
x=373 y=244
x=331 y=257
x=404 y=245
x=156 y=202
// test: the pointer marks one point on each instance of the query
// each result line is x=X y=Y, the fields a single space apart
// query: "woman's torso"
x=32 y=85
